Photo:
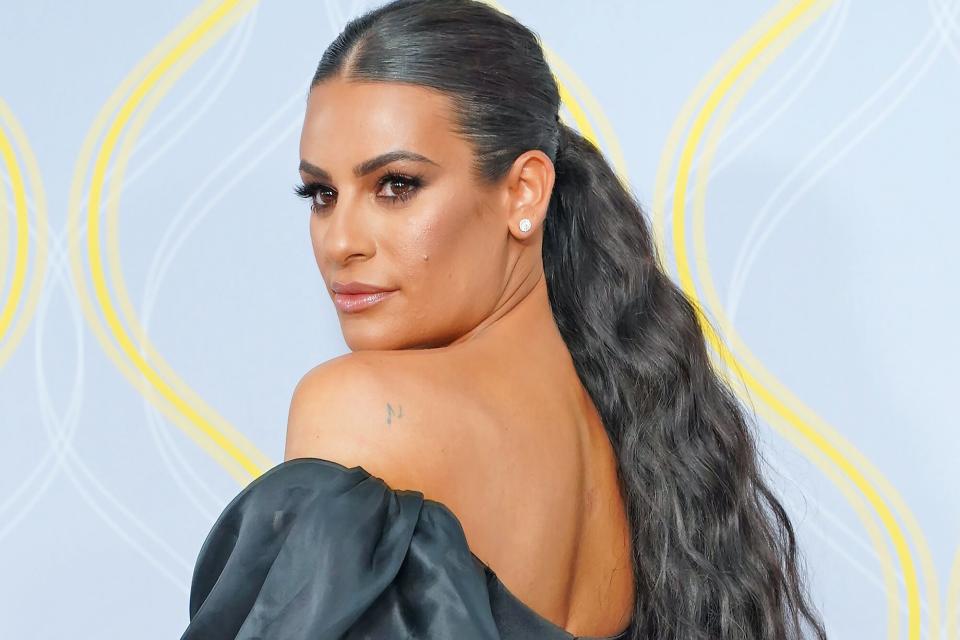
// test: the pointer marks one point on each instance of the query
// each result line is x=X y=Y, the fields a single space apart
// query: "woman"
x=527 y=439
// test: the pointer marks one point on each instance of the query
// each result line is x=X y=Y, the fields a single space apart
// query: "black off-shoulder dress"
x=313 y=550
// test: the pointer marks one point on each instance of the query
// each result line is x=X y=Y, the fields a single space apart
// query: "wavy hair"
x=714 y=552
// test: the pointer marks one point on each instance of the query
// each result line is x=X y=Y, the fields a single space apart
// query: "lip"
x=352 y=303
x=356 y=287
x=351 y=297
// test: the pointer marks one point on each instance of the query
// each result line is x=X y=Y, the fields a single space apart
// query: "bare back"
x=525 y=464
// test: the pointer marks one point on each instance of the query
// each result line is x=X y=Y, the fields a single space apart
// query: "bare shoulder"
x=375 y=409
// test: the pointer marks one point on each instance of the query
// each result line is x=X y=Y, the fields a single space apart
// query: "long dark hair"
x=715 y=554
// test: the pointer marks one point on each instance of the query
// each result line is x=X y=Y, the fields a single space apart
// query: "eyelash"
x=310 y=190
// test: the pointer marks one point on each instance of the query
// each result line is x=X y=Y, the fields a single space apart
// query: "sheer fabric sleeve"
x=315 y=550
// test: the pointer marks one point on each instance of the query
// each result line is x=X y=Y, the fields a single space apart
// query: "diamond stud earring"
x=525 y=225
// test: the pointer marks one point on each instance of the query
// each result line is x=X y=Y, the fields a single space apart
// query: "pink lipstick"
x=351 y=297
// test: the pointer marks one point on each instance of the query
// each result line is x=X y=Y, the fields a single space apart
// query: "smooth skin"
x=459 y=385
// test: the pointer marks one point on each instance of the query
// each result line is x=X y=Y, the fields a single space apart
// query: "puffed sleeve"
x=314 y=550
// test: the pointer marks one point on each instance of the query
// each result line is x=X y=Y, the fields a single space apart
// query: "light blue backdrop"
x=830 y=241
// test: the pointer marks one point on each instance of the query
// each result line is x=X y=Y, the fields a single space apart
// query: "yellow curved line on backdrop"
x=193 y=36
x=882 y=485
x=793 y=415
x=570 y=84
x=75 y=200
x=115 y=270
x=5 y=222
x=662 y=175
x=845 y=484
x=8 y=343
x=920 y=544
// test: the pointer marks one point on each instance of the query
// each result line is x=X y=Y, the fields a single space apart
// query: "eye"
x=402 y=185
x=310 y=191
x=408 y=185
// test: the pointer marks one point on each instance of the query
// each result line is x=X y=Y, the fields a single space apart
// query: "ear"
x=529 y=187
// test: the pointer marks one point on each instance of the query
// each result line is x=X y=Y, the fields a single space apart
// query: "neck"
x=523 y=322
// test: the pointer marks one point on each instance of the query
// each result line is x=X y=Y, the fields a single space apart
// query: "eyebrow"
x=370 y=165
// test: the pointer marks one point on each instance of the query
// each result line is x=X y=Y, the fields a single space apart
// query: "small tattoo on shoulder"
x=391 y=413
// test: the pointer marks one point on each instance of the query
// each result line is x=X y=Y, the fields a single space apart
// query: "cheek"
x=425 y=241
x=428 y=238
x=432 y=250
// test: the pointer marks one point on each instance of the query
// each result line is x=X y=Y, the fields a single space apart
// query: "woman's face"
x=437 y=238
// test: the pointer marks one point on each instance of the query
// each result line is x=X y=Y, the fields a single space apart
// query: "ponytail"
x=715 y=554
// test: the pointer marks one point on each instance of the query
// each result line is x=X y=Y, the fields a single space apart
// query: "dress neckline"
x=491 y=574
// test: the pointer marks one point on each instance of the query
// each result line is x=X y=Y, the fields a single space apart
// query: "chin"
x=373 y=338
x=392 y=340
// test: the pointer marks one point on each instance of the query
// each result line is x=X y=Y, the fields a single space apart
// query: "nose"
x=346 y=231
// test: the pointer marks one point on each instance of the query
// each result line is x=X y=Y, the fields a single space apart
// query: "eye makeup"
x=413 y=182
